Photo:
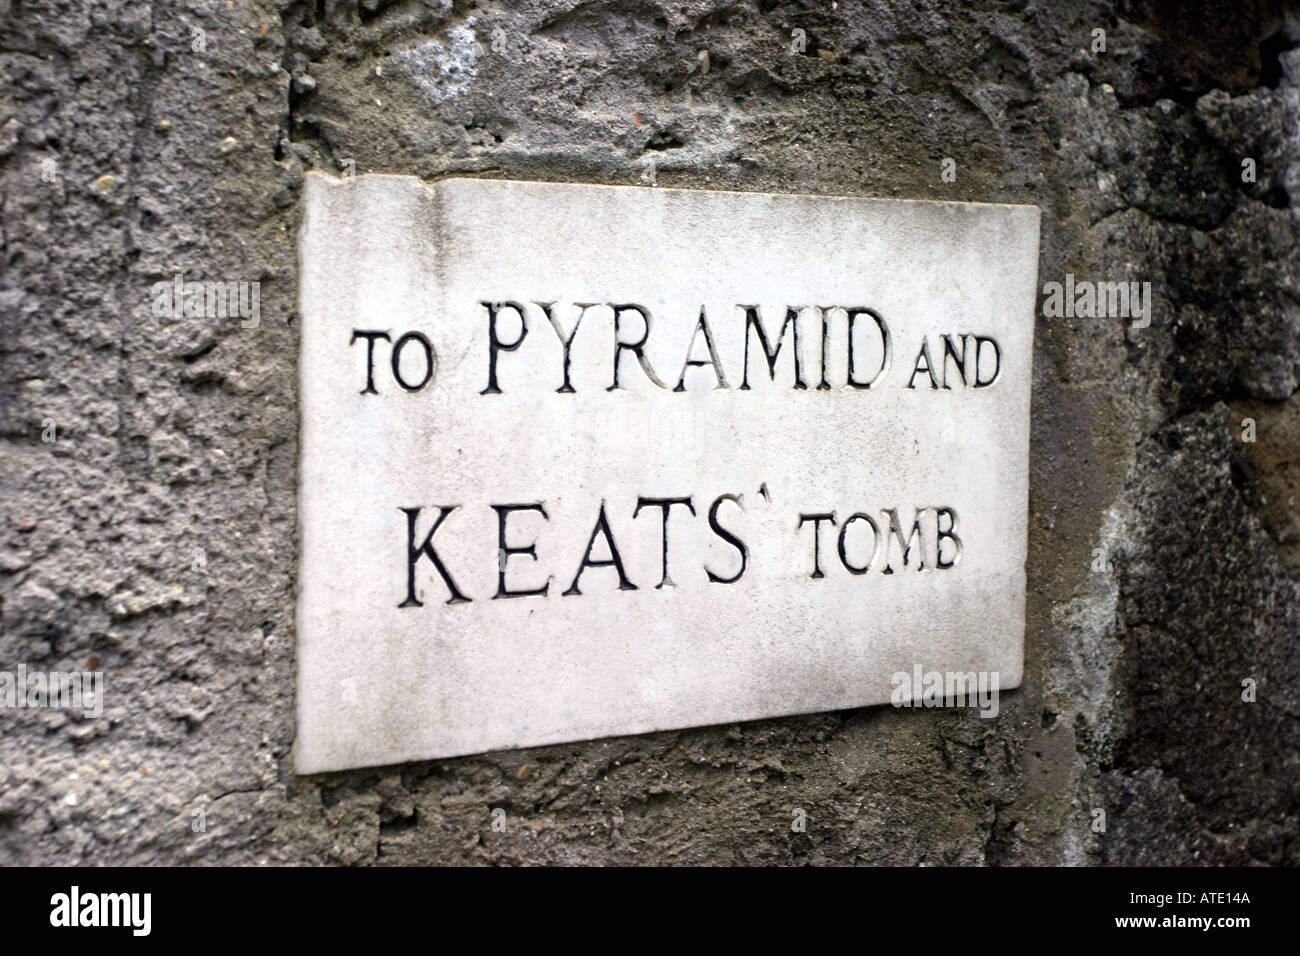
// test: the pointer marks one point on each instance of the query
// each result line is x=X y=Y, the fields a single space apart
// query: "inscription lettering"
x=926 y=535
x=973 y=361
x=413 y=555
x=496 y=345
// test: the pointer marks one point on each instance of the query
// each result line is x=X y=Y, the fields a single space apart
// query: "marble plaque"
x=579 y=461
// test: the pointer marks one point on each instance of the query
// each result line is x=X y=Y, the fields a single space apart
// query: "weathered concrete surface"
x=175 y=435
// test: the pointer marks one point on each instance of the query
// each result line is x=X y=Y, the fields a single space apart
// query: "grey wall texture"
x=154 y=538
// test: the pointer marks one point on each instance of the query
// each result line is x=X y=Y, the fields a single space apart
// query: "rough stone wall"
x=154 y=539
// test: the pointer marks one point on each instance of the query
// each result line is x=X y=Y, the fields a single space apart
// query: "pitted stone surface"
x=180 y=435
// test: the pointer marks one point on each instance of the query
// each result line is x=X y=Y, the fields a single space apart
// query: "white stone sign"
x=584 y=460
